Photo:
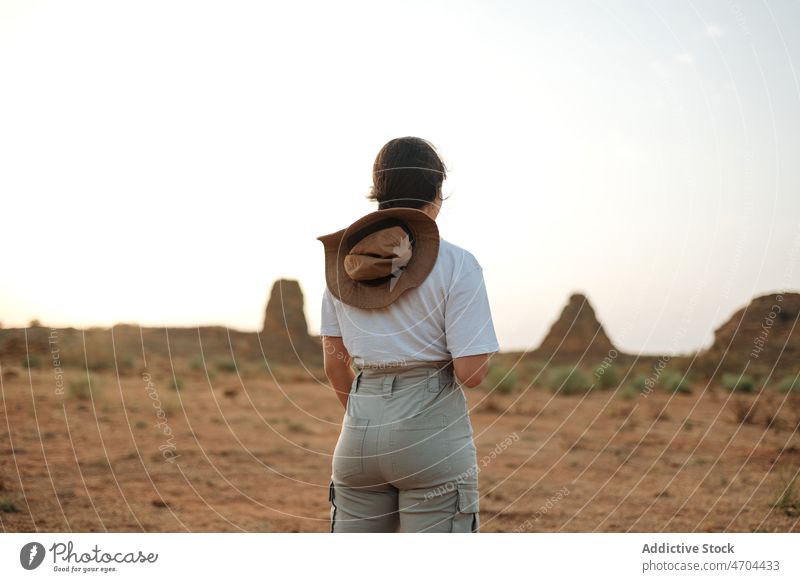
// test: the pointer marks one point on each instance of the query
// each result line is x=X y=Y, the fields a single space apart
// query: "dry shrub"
x=10 y=374
x=787 y=495
x=501 y=380
x=744 y=411
x=82 y=388
x=793 y=404
x=569 y=380
x=771 y=420
x=491 y=404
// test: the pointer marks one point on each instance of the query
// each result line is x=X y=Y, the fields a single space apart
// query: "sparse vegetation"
x=788 y=497
x=32 y=361
x=569 y=380
x=639 y=383
x=501 y=380
x=744 y=411
x=297 y=427
x=789 y=384
x=7 y=505
x=98 y=363
x=674 y=381
x=176 y=383
x=607 y=376
x=738 y=383
x=227 y=366
x=81 y=389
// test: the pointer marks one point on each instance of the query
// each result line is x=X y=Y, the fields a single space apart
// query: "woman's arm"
x=471 y=370
x=337 y=367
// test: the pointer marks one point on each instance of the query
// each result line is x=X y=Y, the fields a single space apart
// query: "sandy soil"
x=254 y=454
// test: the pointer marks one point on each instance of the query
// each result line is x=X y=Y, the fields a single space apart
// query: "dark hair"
x=407 y=172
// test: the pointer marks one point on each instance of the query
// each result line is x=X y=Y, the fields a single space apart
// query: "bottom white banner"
x=351 y=557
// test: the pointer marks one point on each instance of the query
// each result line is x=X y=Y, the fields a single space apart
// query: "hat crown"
x=383 y=253
x=378 y=257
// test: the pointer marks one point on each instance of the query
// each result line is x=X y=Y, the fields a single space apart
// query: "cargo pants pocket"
x=467 y=516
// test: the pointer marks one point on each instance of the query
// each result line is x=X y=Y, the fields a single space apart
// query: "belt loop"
x=446 y=374
x=386 y=384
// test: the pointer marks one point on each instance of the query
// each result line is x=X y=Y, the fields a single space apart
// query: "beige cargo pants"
x=405 y=459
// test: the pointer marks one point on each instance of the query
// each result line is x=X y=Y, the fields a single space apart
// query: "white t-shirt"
x=447 y=316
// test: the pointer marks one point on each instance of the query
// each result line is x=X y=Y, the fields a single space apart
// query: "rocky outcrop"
x=284 y=340
x=284 y=314
x=576 y=336
x=763 y=335
x=285 y=331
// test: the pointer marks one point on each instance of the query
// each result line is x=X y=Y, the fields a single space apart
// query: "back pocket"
x=420 y=450
x=348 y=456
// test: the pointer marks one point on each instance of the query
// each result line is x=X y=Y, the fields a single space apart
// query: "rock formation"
x=766 y=333
x=576 y=336
x=285 y=330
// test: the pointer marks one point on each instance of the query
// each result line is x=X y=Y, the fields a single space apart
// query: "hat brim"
x=337 y=245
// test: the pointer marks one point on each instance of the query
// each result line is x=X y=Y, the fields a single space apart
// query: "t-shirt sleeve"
x=329 y=323
x=469 y=329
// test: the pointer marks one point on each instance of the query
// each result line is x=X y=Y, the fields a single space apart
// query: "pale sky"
x=165 y=162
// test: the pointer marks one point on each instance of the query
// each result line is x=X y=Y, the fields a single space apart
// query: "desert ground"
x=175 y=446
x=213 y=429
